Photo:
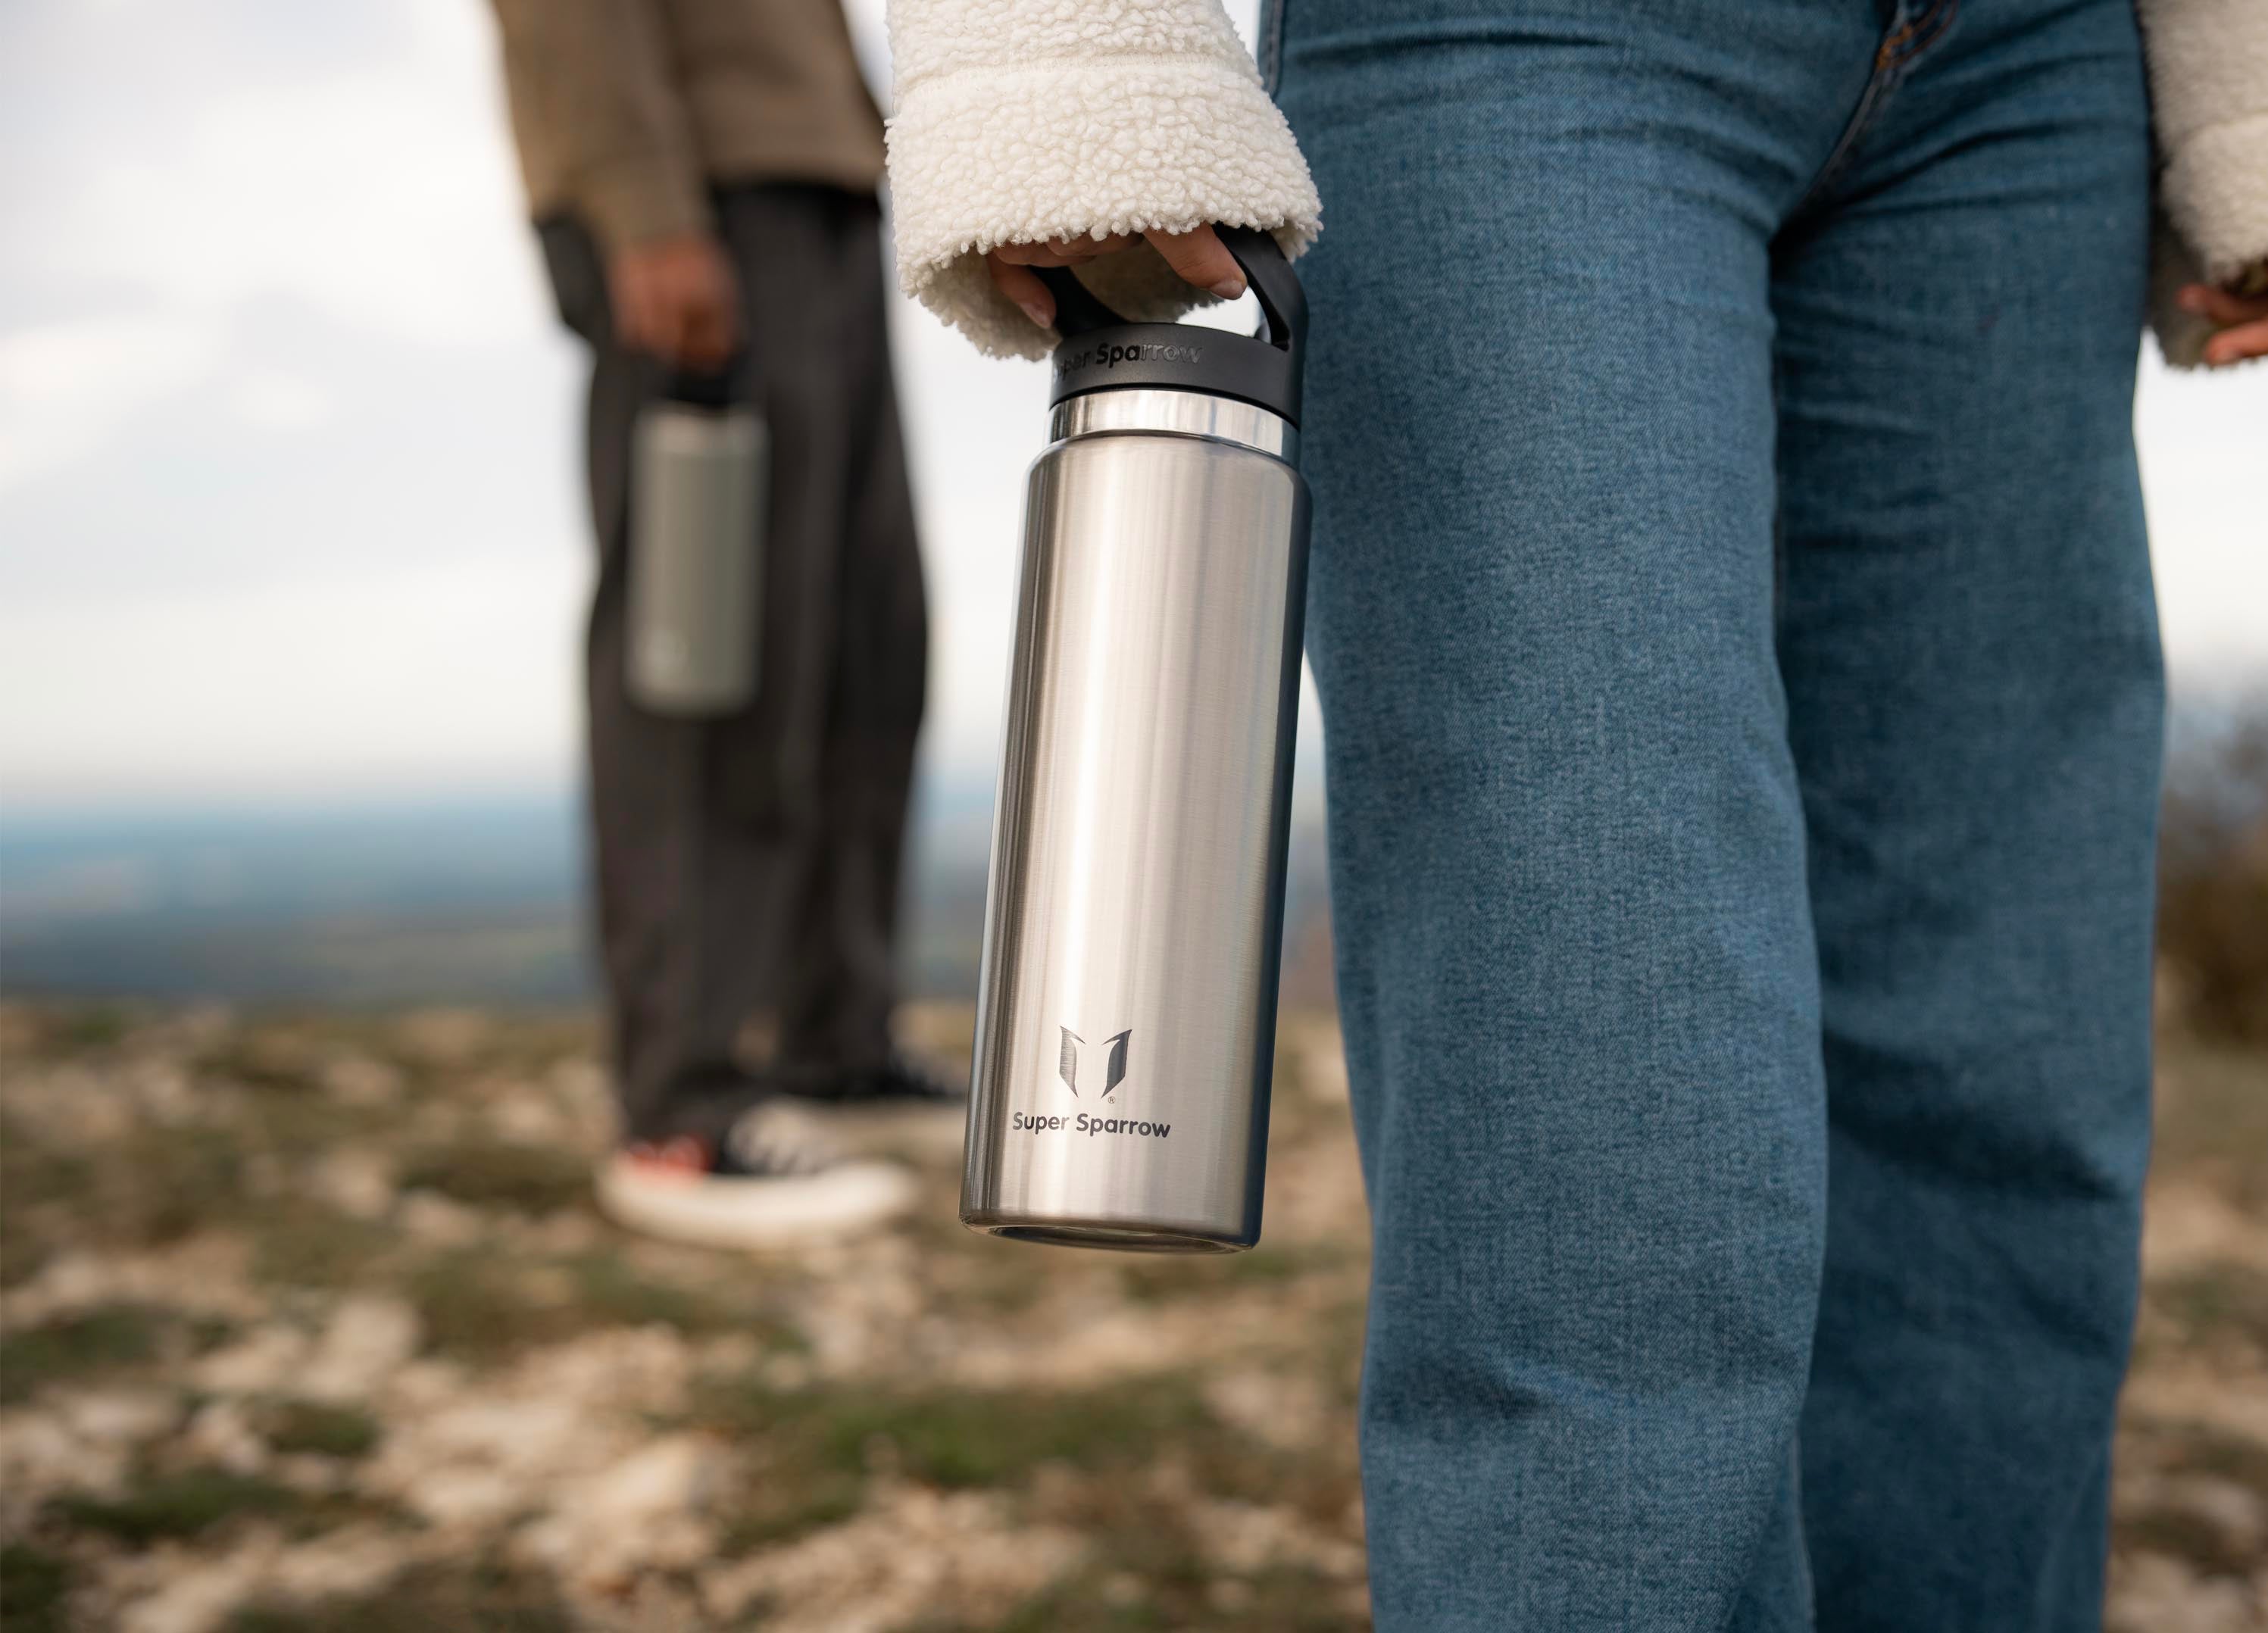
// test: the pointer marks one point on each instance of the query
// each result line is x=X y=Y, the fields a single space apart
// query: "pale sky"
x=289 y=494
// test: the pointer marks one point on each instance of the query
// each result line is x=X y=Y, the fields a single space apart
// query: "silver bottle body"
x=696 y=558
x=1133 y=928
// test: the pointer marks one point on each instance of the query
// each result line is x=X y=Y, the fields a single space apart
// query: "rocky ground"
x=308 y=1324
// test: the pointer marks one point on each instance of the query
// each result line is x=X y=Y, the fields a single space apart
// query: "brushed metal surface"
x=1134 y=922
x=1190 y=413
x=696 y=559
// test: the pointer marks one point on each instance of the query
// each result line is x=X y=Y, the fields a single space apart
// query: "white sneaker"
x=773 y=1181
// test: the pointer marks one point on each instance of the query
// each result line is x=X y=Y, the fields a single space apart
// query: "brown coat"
x=625 y=111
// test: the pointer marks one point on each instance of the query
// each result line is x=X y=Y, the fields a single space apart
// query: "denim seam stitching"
x=1893 y=59
x=1889 y=51
x=1918 y=35
x=1947 y=20
x=1879 y=84
x=1271 y=44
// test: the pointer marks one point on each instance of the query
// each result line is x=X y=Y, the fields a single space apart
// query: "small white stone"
x=2151 y=1593
x=222 y=1433
x=1230 y=1594
x=312 y=1472
x=431 y=1217
x=446 y=1037
x=787 y=1372
x=165 y=1094
x=675 y=1475
x=122 y=1416
x=41 y=1457
x=640 y=1512
x=347 y=1562
x=200 y=1597
x=358 y=1080
x=521 y=1113
x=369 y=1337
x=260 y=1362
x=464 y=1497
x=72 y=1281
x=357 y=1183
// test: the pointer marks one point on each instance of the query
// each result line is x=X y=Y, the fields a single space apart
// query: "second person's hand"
x=1198 y=256
x=2239 y=322
x=676 y=298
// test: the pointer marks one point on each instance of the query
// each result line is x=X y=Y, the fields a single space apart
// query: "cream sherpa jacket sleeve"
x=2209 y=101
x=1022 y=119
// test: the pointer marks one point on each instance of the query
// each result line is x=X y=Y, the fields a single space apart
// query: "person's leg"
x=692 y=819
x=1971 y=659
x=714 y=860
x=661 y=915
x=1576 y=971
x=849 y=617
x=880 y=680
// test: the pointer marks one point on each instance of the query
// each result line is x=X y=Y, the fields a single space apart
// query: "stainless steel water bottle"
x=1126 y=1017
x=697 y=549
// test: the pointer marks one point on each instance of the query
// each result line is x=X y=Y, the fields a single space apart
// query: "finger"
x=2236 y=345
x=668 y=318
x=1203 y=259
x=708 y=333
x=634 y=319
x=708 y=339
x=726 y=313
x=1074 y=251
x=1060 y=251
x=2218 y=305
x=1022 y=285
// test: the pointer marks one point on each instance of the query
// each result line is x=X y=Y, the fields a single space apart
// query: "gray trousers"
x=748 y=866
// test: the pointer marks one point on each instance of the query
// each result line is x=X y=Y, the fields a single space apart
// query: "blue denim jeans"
x=1743 y=710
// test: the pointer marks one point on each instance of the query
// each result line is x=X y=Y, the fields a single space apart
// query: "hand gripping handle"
x=1078 y=311
x=1100 y=350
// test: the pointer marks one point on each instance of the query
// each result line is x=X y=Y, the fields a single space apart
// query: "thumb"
x=1202 y=258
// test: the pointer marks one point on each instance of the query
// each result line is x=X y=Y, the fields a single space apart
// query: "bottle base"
x=1115 y=1236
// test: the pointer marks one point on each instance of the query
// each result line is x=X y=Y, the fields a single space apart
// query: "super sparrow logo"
x=1114 y=1066
x=1078 y=1057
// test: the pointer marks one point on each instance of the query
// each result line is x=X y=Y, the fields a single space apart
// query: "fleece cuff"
x=2214 y=188
x=1064 y=147
x=2181 y=335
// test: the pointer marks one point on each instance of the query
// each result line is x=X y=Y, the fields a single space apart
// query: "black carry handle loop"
x=1100 y=350
x=1079 y=310
x=719 y=388
x=1274 y=284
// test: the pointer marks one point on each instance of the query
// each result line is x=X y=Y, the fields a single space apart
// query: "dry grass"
x=308 y=1324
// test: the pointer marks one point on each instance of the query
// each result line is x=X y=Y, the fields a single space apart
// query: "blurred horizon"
x=469 y=901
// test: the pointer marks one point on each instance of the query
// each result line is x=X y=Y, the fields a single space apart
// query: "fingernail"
x=1229 y=289
x=1038 y=313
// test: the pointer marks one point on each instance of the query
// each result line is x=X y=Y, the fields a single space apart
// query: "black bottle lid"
x=717 y=388
x=1101 y=351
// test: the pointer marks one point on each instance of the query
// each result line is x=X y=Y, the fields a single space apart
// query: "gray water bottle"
x=697 y=549
x=1126 y=1015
